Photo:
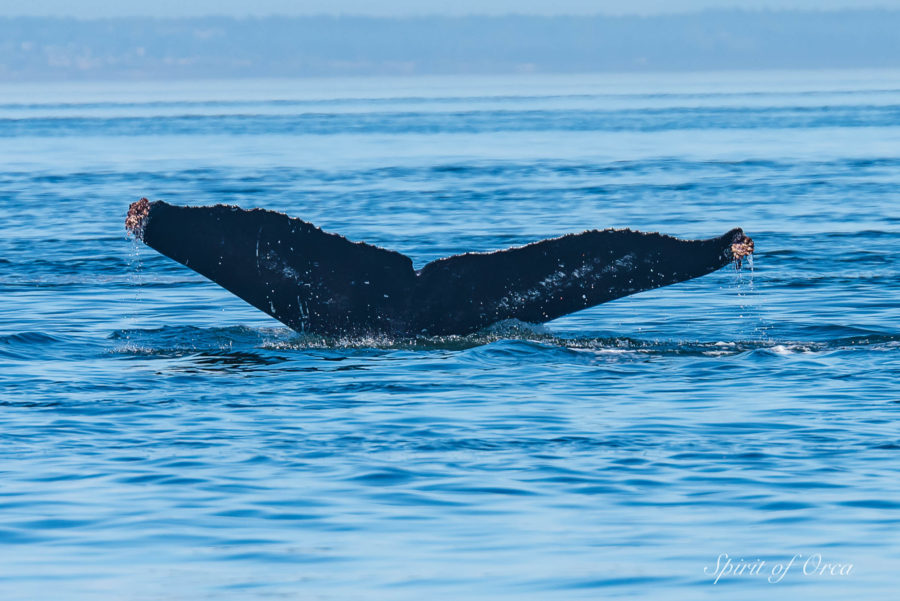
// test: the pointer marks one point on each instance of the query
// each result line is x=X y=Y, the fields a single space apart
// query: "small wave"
x=25 y=345
x=186 y=340
x=23 y=338
x=181 y=340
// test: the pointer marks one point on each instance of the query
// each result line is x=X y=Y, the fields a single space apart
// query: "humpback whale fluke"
x=323 y=283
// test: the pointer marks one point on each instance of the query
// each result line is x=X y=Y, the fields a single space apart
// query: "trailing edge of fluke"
x=322 y=283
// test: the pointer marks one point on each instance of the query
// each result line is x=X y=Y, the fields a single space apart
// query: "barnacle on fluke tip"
x=137 y=218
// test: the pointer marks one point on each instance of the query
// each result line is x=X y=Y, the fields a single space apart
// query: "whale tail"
x=314 y=281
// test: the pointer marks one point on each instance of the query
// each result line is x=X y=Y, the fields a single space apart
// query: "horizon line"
x=406 y=17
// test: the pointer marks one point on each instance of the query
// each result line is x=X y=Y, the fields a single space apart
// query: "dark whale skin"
x=322 y=283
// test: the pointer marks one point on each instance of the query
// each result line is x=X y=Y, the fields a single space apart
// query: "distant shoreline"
x=147 y=49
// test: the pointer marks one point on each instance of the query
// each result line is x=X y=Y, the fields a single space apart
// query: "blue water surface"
x=162 y=440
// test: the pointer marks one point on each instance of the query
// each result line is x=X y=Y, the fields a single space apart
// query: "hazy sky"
x=182 y=8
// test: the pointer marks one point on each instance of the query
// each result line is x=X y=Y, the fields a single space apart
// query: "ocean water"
x=162 y=440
